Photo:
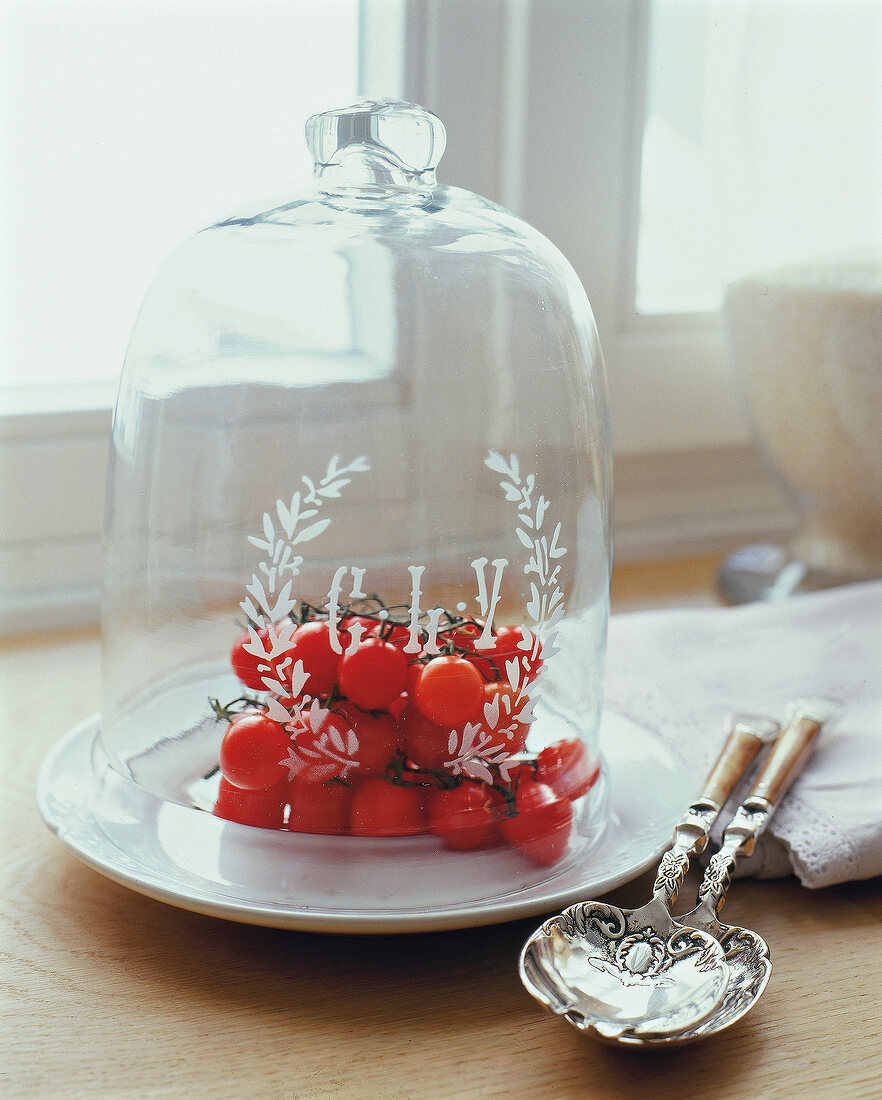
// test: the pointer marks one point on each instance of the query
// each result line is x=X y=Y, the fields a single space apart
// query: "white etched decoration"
x=474 y=751
x=546 y=603
x=331 y=751
x=267 y=604
x=327 y=750
x=397 y=719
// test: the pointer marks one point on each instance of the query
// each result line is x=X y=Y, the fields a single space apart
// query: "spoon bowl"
x=615 y=971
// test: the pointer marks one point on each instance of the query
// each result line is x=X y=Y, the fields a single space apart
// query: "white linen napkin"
x=680 y=673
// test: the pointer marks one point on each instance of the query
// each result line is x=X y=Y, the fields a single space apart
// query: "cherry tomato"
x=377 y=736
x=449 y=691
x=350 y=624
x=398 y=706
x=253 y=751
x=368 y=626
x=520 y=773
x=263 y=808
x=426 y=744
x=386 y=809
x=413 y=674
x=567 y=768
x=246 y=665
x=324 y=747
x=465 y=634
x=374 y=675
x=542 y=823
x=397 y=634
x=240 y=714
x=506 y=647
x=312 y=645
x=464 y=817
x=319 y=807
x=501 y=700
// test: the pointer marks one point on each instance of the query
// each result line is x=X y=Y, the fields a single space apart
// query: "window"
x=762 y=143
x=133 y=124
x=164 y=116
x=129 y=126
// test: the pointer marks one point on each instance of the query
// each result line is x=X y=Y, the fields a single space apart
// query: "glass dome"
x=358 y=530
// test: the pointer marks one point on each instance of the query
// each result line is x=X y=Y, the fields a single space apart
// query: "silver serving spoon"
x=637 y=972
x=746 y=953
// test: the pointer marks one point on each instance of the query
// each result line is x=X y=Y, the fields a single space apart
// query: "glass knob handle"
x=377 y=143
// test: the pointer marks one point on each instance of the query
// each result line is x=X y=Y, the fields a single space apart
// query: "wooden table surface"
x=109 y=993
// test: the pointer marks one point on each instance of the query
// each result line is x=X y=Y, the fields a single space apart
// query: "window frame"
x=520 y=159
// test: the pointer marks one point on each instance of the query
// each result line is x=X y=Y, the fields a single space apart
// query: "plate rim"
x=531 y=901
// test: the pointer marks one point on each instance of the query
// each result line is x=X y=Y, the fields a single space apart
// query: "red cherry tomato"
x=501 y=700
x=251 y=668
x=377 y=736
x=397 y=634
x=463 y=817
x=507 y=647
x=253 y=752
x=325 y=747
x=542 y=823
x=449 y=691
x=465 y=635
x=263 y=808
x=319 y=808
x=349 y=625
x=413 y=674
x=386 y=809
x=398 y=706
x=567 y=768
x=245 y=663
x=521 y=773
x=312 y=645
x=368 y=626
x=426 y=744
x=374 y=675
x=240 y=714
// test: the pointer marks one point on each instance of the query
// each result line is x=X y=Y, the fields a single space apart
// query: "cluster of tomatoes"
x=374 y=739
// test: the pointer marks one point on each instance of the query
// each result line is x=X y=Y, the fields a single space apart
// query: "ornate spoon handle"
x=747 y=734
x=786 y=760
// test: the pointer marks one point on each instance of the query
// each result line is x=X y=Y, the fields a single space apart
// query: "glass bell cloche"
x=358 y=539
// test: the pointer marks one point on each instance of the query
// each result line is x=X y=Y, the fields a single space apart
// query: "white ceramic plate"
x=190 y=859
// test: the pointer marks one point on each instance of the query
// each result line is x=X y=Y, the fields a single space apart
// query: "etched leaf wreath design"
x=270 y=597
x=545 y=605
